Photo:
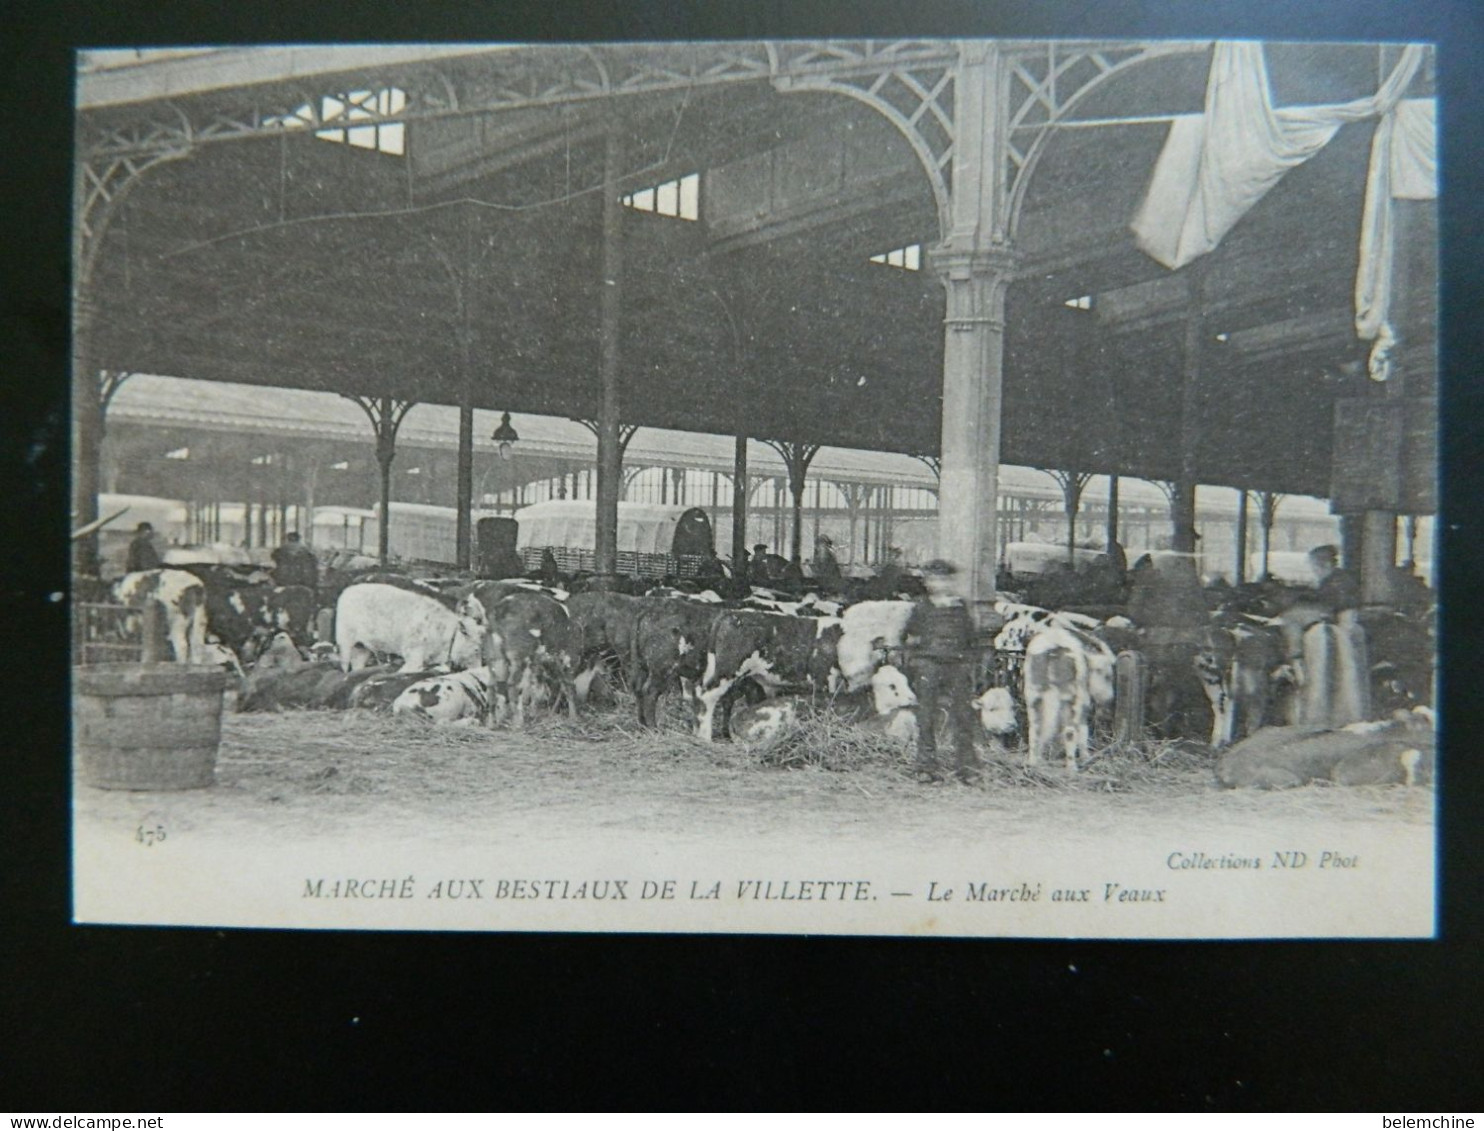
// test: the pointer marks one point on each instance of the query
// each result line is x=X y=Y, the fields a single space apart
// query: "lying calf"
x=1398 y=751
x=447 y=698
x=888 y=705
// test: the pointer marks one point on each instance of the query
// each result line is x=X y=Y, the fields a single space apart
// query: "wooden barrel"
x=147 y=726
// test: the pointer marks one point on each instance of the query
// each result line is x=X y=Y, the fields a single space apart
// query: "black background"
x=167 y=1019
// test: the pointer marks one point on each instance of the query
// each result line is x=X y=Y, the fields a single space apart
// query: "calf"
x=418 y=627
x=871 y=632
x=996 y=709
x=668 y=648
x=447 y=698
x=378 y=688
x=1068 y=675
x=771 y=649
x=289 y=608
x=607 y=623
x=1399 y=751
x=887 y=705
x=181 y=599
x=277 y=689
x=529 y=636
x=1239 y=666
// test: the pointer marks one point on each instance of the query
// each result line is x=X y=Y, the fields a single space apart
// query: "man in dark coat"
x=142 y=552
x=766 y=567
x=295 y=564
x=1339 y=589
x=939 y=639
x=826 y=566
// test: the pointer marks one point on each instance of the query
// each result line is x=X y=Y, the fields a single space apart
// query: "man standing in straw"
x=940 y=636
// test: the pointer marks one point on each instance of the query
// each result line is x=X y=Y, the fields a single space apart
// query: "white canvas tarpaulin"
x=1404 y=166
x=1217 y=165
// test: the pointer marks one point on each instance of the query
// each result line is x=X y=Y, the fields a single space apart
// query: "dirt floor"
x=312 y=776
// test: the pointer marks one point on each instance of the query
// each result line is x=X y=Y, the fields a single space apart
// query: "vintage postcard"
x=895 y=487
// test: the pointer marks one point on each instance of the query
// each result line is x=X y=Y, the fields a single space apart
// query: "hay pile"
x=822 y=740
x=312 y=753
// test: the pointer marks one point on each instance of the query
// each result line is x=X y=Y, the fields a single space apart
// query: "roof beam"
x=226 y=68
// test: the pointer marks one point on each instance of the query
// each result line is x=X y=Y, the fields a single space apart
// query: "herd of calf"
x=494 y=651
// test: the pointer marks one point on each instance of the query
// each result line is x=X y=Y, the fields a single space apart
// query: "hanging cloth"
x=1215 y=166
x=1404 y=166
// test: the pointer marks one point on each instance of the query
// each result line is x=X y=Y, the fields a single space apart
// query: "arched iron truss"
x=101 y=185
x=1047 y=81
x=909 y=82
x=913 y=86
x=912 y=90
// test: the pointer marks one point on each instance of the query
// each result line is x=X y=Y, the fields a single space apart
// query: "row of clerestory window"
x=356 y=106
x=680 y=198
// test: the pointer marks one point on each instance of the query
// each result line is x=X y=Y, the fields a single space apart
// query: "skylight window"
x=357 y=106
x=362 y=104
x=680 y=198
x=908 y=258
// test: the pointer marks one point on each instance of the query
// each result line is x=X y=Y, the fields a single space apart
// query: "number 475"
x=149 y=837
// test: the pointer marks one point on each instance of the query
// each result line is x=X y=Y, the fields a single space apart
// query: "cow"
x=309 y=686
x=607 y=623
x=244 y=608
x=376 y=689
x=290 y=608
x=808 y=605
x=887 y=704
x=281 y=654
x=280 y=677
x=771 y=649
x=421 y=629
x=871 y=632
x=529 y=636
x=1068 y=674
x=217 y=654
x=1397 y=751
x=458 y=697
x=342 y=697
x=181 y=598
x=668 y=647
x=1401 y=650
x=996 y=708
x=1240 y=666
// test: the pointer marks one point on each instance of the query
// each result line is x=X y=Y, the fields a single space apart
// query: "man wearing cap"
x=142 y=552
x=940 y=634
x=766 y=566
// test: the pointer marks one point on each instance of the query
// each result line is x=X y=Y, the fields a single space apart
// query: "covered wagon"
x=653 y=540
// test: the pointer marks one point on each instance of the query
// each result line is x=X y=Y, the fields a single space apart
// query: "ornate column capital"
x=955 y=261
x=976 y=279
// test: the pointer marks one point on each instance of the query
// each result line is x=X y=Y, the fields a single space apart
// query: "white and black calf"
x=457 y=697
x=1068 y=676
x=887 y=704
x=773 y=650
x=180 y=598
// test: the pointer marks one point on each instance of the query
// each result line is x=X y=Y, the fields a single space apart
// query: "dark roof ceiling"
x=296 y=262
